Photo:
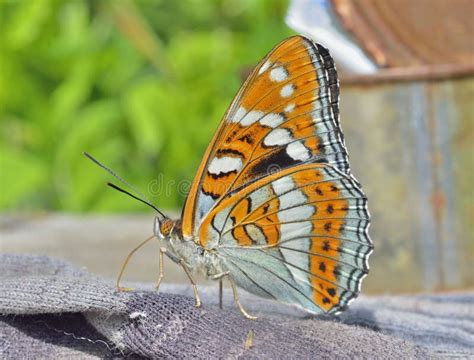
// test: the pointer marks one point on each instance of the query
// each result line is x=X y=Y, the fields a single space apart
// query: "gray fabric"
x=52 y=309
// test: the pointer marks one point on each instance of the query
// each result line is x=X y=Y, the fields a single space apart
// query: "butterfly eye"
x=162 y=228
x=166 y=227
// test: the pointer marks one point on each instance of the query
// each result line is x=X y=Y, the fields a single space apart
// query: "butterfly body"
x=199 y=260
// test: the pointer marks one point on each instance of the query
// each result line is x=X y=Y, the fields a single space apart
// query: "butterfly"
x=274 y=207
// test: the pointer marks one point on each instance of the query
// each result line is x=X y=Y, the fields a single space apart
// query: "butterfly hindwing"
x=285 y=114
x=298 y=236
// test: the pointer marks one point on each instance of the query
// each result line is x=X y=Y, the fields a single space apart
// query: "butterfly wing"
x=274 y=195
x=285 y=114
x=299 y=236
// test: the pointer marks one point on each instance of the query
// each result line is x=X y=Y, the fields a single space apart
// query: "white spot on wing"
x=294 y=230
x=220 y=218
x=264 y=67
x=205 y=202
x=278 y=74
x=283 y=185
x=272 y=120
x=287 y=90
x=292 y=198
x=255 y=234
x=289 y=108
x=259 y=196
x=299 y=258
x=278 y=137
x=239 y=114
x=297 y=151
x=298 y=213
x=251 y=117
x=224 y=165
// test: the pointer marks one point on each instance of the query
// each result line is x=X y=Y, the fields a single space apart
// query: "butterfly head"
x=163 y=227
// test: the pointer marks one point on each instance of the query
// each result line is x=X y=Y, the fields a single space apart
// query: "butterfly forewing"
x=285 y=114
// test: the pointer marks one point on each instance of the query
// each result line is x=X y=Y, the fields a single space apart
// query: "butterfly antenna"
x=142 y=198
x=113 y=186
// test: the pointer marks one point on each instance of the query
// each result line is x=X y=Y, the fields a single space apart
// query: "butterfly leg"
x=125 y=263
x=237 y=301
x=185 y=268
x=160 y=277
x=236 y=295
x=191 y=279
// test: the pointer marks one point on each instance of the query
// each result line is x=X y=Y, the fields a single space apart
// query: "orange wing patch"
x=252 y=233
x=325 y=248
x=236 y=215
x=323 y=258
x=267 y=222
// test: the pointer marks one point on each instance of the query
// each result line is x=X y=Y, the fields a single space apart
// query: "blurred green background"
x=140 y=85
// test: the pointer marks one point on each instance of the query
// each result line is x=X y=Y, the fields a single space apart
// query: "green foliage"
x=140 y=85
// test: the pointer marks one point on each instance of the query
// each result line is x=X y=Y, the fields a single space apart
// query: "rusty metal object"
x=408 y=74
x=397 y=33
